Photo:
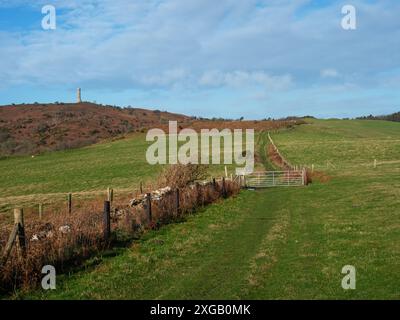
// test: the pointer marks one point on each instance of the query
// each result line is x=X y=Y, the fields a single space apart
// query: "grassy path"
x=272 y=244
x=208 y=256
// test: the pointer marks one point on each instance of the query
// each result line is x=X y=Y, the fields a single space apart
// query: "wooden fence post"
x=9 y=245
x=107 y=220
x=110 y=195
x=40 y=211
x=19 y=222
x=177 y=202
x=148 y=207
x=69 y=203
x=141 y=187
x=214 y=183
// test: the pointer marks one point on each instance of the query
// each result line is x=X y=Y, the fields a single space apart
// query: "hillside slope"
x=30 y=129
x=34 y=128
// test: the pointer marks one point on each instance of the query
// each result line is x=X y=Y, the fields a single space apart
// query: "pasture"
x=86 y=172
x=278 y=243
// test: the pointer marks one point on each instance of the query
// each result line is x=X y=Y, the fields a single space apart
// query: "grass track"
x=270 y=244
x=208 y=256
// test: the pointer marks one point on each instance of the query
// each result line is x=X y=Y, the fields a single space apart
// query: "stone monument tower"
x=78 y=96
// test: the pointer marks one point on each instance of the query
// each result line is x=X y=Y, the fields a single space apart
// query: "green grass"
x=120 y=164
x=261 y=245
x=282 y=243
x=346 y=144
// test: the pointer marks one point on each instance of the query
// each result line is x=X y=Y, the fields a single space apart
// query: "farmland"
x=282 y=243
x=87 y=172
x=117 y=161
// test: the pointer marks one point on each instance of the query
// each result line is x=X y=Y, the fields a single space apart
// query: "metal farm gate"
x=267 y=179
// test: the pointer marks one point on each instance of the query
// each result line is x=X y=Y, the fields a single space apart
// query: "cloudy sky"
x=229 y=58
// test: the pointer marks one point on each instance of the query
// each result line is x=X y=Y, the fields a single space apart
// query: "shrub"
x=4 y=134
x=180 y=175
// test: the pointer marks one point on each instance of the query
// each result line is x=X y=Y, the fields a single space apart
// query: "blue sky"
x=228 y=58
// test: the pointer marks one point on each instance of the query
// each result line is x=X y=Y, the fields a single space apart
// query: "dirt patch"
x=318 y=176
x=276 y=158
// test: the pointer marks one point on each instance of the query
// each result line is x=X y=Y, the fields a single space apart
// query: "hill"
x=34 y=128
x=30 y=129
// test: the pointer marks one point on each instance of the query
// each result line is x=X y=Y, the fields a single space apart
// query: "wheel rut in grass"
x=236 y=256
x=222 y=252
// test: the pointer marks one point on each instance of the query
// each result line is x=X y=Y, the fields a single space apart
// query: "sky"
x=225 y=58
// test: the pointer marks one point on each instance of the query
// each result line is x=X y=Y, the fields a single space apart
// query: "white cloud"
x=145 y=42
x=241 y=78
x=329 y=73
x=166 y=78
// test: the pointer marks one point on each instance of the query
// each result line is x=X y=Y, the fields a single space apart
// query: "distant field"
x=282 y=243
x=119 y=164
x=343 y=144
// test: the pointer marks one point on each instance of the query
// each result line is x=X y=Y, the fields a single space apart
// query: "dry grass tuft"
x=180 y=175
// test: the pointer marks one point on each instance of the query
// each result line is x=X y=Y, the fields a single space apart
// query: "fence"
x=65 y=239
x=268 y=179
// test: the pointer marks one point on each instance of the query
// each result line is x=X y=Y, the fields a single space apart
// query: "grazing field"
x=343 y=145
x=282 y=243
x=87 y=172
x=119 y=164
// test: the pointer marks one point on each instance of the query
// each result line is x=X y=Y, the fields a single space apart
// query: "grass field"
x=120 y=163
x=46 y=178
x=282 y=243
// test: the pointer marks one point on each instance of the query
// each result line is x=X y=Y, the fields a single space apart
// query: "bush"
x=180 y=175
x=4 y=134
